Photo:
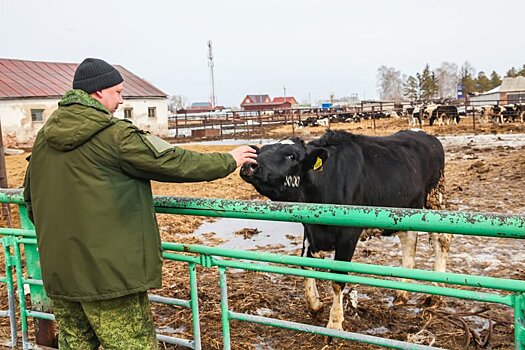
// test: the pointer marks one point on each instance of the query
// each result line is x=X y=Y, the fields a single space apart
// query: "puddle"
x=483 y=141
x=253 y=141
x=170 y=330
x=269 y=234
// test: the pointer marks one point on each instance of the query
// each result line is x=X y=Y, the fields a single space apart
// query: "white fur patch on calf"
x=286 y=142
x=311 y=294
x=292 y=181
x=336 y=312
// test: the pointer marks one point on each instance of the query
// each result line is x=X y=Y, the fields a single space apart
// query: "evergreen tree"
x=411 y=88
x=522 y=71
x=482 y=82
x=466 y=78
x=427 y=83
x=495 y=80
x=511 y=73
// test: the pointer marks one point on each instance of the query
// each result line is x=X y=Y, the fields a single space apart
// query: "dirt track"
x=480 y=177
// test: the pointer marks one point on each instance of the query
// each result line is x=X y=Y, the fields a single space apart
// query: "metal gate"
x=494 y=225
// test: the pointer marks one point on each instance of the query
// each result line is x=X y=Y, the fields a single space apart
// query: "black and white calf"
x=405 y=169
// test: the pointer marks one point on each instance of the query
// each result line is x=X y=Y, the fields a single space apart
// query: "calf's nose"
x=248 y=169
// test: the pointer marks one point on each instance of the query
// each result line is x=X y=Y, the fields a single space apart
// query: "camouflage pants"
x=120 y=323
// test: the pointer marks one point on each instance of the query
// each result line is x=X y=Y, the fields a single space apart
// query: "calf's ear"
x=315 y=159
x=257 y=150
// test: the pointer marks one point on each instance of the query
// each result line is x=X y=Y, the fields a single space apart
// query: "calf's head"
x=282 y=169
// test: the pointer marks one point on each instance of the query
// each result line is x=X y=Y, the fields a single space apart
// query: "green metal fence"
x=506 y=291
x=7 y=279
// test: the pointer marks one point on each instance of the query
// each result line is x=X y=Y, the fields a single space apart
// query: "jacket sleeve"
x=27 y=191
x=149 y=157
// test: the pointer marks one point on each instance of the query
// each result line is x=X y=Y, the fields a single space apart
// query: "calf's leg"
x=311 y=293
x=336 y=311
x=441 y=246
x=345 y=248
x=408 y=247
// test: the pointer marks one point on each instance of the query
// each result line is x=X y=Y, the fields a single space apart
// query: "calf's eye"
x=290 y=157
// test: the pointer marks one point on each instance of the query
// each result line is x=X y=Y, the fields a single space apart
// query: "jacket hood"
x=78 y=118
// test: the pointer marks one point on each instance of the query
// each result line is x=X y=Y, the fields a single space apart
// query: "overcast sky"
x=313 y=48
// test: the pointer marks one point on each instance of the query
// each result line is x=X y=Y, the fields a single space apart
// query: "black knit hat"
x=94 y=74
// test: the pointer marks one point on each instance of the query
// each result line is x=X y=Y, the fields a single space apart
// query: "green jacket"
x=88 y=188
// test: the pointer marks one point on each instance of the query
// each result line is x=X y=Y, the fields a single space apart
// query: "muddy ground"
x=484 y=173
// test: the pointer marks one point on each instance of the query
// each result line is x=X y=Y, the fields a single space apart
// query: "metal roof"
x=201 y=105
x=258 y=98
x=290 y=99
x=21 y=78
x=513 y=84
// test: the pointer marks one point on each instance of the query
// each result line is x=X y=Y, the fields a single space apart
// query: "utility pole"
x=213 y=99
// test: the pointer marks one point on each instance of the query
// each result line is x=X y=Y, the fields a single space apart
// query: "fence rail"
x=484 y=224
x=234 y=124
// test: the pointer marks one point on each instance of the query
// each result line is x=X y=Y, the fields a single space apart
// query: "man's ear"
x=315 y=159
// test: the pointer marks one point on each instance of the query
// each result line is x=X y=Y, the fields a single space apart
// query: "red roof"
x=256 y=99
x=290 y=99
x=20 y=78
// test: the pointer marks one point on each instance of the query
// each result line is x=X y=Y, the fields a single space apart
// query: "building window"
x=37 y=115
x=152 y=112
x=515 y=98
x=128 y=113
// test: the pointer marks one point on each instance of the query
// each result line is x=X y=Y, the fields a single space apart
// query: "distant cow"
x=405 y=169
x=513 y=113
x=444 y=114
x=492 y=113
x=414 y=116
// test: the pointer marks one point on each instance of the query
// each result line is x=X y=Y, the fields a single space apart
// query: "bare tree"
x=447 y=77
x=176 y=102
x=389 y=83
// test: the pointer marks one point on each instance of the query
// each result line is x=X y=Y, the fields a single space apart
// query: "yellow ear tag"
x=318 y=164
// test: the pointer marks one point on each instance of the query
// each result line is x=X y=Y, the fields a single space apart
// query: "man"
x=88 y=193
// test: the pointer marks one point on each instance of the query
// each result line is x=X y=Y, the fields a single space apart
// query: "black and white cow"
x=513 y=113
x=444 y=114
x=405 y=169
x=414 y=116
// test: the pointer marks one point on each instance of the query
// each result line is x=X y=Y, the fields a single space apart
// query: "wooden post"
x=6 y=213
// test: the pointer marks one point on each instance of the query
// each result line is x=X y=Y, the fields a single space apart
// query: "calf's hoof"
x=317 y=314
x=332 y=325
x=432 y=301
x=327 y=340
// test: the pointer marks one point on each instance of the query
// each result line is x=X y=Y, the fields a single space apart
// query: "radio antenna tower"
x=213 y=99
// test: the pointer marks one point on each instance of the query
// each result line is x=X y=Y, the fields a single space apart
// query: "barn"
x=265 y=103
x=511 y=90
x=491 y=97
x=30 y=91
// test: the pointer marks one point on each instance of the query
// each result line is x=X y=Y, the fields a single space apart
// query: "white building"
x=30 y=91
x=511 y=90
x=491 y=97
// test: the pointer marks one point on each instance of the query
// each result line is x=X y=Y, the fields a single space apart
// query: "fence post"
x=224 y=309
x=7 y=243
x=519 y=321
x=194 y=304
x=44 y=329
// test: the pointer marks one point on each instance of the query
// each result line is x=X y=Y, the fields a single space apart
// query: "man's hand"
x=244 y=154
